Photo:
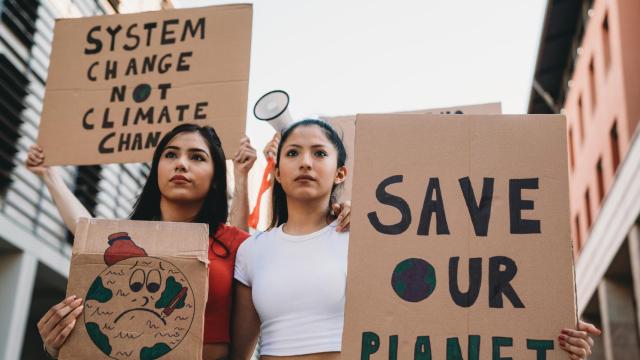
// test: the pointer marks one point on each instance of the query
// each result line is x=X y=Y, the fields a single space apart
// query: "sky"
x=356 y=56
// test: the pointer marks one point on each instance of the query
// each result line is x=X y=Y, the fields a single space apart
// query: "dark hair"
x=215 y=208
x=279 y=210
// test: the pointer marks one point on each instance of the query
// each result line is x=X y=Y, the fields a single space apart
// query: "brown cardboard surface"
x=143 y=294
x=396 y=306
x=201 y=53
x=474 y=109
x=345 y=125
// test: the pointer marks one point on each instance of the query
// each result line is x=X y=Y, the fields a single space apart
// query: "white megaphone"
x=272 y=107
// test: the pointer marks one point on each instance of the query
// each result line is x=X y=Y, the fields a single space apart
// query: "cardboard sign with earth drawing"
x=345 y=126
x=144 y=286
x=117 y=83
x=460 y=242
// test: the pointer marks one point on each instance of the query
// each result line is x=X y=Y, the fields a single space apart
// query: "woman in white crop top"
x=291 y=279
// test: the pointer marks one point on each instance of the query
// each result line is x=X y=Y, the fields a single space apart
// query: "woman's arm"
x=245 y=323
x=243 y=161
x=70 y=208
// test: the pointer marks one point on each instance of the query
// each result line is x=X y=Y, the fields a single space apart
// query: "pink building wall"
x=605 y=90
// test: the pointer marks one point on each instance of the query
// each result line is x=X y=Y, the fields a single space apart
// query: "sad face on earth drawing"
x=139 y=307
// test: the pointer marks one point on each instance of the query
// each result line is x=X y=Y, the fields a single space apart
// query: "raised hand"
x=56 y=325
x=35 y=160
x=245 y=157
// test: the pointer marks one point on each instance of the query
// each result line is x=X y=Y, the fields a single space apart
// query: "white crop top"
x=298 y=288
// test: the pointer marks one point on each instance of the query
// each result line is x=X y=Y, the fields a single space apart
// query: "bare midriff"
x=318 y=356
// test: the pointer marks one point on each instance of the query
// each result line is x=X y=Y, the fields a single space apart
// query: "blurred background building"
x=35 y=247
x=588 y=68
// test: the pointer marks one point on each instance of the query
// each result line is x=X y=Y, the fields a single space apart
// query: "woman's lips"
x=179 y=179
x=305 y=178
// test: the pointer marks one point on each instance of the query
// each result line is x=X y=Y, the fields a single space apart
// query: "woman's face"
x=185 y=169
x=308 y=164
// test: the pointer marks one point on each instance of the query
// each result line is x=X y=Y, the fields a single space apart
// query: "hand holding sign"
x=578 y=343
x=35 y=161
x=56 y=325
x=271 y=149
x=244 y=158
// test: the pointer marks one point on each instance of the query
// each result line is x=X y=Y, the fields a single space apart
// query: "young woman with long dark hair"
x=290 y=280
x=187 y=183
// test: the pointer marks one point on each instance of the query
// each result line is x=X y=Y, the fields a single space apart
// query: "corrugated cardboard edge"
x=82 y=231
x=224 y=7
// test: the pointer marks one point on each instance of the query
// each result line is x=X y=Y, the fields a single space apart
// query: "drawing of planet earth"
x=413 y=279
x=139 y=307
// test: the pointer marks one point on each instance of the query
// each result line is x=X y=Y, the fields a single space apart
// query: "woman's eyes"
x=318 y=153
x=195 y=157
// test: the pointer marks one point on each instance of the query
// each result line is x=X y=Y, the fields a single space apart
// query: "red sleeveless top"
x=217 y=314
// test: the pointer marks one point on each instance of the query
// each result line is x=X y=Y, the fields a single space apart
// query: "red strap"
x=254 y=218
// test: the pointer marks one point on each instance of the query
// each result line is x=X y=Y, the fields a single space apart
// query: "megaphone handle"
x=254 y=217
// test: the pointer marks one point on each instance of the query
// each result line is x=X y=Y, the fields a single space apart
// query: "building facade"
x=587 y=69
x=35 y=247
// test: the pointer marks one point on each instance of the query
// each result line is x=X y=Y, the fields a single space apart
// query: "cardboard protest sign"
x=475 y=109
x=345 y=125
x=144 y=286
x=117 y=83
x=460 y=243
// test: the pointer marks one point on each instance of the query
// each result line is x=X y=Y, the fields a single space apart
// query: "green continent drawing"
x=413 y=279
x=98 y=338
x=154 y=352
x=98 y=292
x=171 y=290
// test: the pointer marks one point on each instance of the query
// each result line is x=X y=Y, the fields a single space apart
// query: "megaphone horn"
x=272 y=107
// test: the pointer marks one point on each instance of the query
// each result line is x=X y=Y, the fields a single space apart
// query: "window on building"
x=20 y=17
x=587 y=207
x=13 y=85
x=606 y=42
x=572 y=161
x=581 y=23
x=600 y=180
x=615 y=146
x=87 y=186
x=86 y=189
x=592 y=84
